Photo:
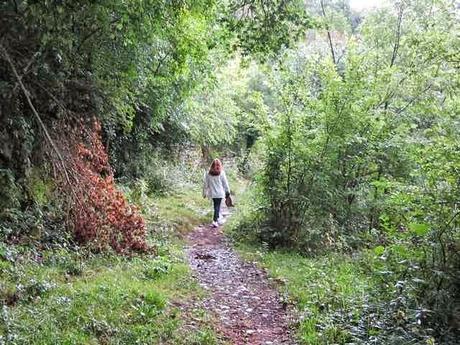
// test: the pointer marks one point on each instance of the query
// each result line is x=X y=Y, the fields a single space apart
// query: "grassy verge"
x=65 y=296
x=328 y=293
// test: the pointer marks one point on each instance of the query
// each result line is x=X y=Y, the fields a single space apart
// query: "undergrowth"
x=373 y=287
x=342 y=299
x=70 y=295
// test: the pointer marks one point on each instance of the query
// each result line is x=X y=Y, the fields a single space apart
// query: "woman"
x=216 y=188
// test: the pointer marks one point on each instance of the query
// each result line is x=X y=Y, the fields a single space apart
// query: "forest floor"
x=241 y=297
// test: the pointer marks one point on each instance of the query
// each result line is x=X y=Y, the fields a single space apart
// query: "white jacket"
x=215 y=186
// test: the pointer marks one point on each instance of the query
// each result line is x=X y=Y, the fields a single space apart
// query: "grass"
x=65 y=296
x=184 y=211
x=327 y=292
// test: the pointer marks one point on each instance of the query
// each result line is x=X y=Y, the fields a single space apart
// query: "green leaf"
x=379 y=250
x=420 y=229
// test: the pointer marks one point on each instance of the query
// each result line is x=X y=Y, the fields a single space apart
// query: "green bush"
x=363 y=154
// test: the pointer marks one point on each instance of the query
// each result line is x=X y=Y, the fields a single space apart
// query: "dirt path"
x=246 y=307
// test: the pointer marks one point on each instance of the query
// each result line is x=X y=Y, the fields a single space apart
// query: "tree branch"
x=413 y=99
x=26 y=69
x=397 y=37
x=328 y=33
x=160 y=63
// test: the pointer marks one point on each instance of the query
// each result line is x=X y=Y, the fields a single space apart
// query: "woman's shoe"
x=214 y=224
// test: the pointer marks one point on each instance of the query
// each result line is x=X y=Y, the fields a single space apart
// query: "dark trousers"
x=216 y=202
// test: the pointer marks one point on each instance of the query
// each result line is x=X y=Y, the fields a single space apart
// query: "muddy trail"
x=244 y=305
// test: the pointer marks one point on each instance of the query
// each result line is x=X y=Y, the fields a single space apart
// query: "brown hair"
x=216 y=167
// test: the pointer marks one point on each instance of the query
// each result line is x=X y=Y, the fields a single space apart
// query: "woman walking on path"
x=216 y=187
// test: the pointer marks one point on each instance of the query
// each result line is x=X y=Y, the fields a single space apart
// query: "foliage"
x=211 y=114
x=227 y=110
x=41 y=220
x=265 y=27
x=362 y=152
x=338 y=143
x=10 y=193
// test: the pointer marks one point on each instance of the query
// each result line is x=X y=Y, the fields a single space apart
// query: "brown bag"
x=229 y=201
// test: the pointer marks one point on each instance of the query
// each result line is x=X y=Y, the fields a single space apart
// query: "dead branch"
x=34 y=111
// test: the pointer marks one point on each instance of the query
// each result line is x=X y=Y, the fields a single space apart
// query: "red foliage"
x=101 y=215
